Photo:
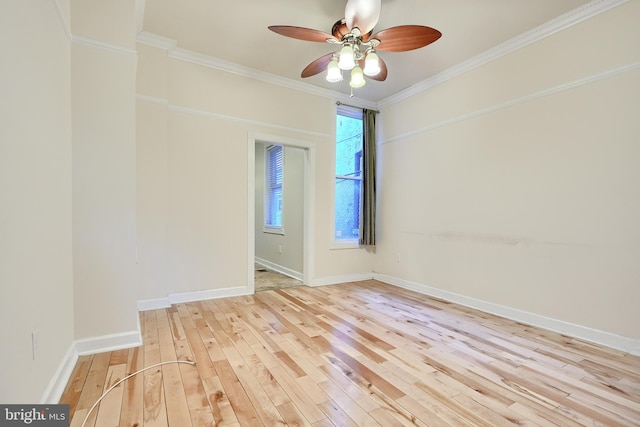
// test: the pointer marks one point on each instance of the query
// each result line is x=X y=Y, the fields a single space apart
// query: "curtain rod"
x=354 y=106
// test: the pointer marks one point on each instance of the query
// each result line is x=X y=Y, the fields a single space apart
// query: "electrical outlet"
x=279 y=249
x=397 y=256
x=35 y=343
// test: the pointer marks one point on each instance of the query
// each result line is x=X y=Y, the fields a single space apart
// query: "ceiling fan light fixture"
x=346 y=61
x=371 y=64
x=334 y=74
x=357 y=46
x=357 y=77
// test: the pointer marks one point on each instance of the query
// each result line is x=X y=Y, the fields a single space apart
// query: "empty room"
x=320 y=213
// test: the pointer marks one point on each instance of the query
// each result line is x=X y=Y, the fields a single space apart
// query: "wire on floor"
x=188 y=362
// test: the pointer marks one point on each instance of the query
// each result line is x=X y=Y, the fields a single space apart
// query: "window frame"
x=352 y=242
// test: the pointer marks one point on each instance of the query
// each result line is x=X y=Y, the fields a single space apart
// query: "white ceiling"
x=236 y=31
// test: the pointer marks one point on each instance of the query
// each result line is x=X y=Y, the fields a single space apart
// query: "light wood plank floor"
x=352 y=355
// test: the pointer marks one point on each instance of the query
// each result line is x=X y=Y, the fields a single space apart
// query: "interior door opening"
x=280 y=212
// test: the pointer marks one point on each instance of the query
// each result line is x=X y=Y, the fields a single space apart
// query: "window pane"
x=348 y=173
x=348 y=146
x=347 y=208
x=275 y=208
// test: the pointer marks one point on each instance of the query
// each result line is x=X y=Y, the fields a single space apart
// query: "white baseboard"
x=133 y=339
x=335 y=280
x=280 y=269
x=158 y=303
x=153 y=304
x=59 y=381
x=124 y=340
x=209 y=294
x=109 y=343
x=82 y=348
x=625 y=344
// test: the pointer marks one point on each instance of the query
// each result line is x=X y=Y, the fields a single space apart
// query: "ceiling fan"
x=358 y=44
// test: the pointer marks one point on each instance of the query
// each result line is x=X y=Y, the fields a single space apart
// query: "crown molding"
x=185 y=55
x=107 y=47
x=547 y=29
x=153 y=100
x=63 y=19
x=233 y=68
x=86 y=41
x=553 y=26
x=155 y=40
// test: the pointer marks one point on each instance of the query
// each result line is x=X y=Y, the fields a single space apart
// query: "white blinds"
x=273 y=186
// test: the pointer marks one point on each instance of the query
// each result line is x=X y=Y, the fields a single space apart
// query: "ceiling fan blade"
x=339 y=29
x=317 y=66
x=405 y=37
x=382 y=75
x=301 y=33
x=363 y=14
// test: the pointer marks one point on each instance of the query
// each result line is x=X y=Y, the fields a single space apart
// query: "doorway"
x=267 y=279
x=281 y=258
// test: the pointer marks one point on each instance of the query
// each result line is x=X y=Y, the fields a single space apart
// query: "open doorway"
x=266 y=278
x=280 y=212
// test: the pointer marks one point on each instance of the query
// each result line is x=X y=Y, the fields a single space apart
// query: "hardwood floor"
x=350 y=355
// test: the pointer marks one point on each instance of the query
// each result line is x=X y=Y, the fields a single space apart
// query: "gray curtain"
x=368 y=223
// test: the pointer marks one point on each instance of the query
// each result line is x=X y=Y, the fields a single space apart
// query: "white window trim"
x=345 y=244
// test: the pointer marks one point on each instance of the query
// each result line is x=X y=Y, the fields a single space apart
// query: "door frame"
x=308 y=235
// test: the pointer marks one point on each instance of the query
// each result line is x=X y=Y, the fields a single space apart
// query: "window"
x=274 y=160
x=348 y=174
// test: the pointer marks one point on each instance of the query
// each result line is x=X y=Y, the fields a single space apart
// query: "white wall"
x=527 y=167
x=36 y=280
x=283 y=251
x=516 y=184
x=103 y=72
x=192 y=167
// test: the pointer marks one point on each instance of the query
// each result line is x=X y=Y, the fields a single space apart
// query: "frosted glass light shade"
x=363 y=14
x=372 y=64
x=346 y=61
x=334 y=74
x=357 y=77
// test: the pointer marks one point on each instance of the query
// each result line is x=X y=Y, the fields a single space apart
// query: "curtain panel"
x=368 y=223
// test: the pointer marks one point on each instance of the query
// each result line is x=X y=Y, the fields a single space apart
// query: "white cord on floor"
x=126 y=378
